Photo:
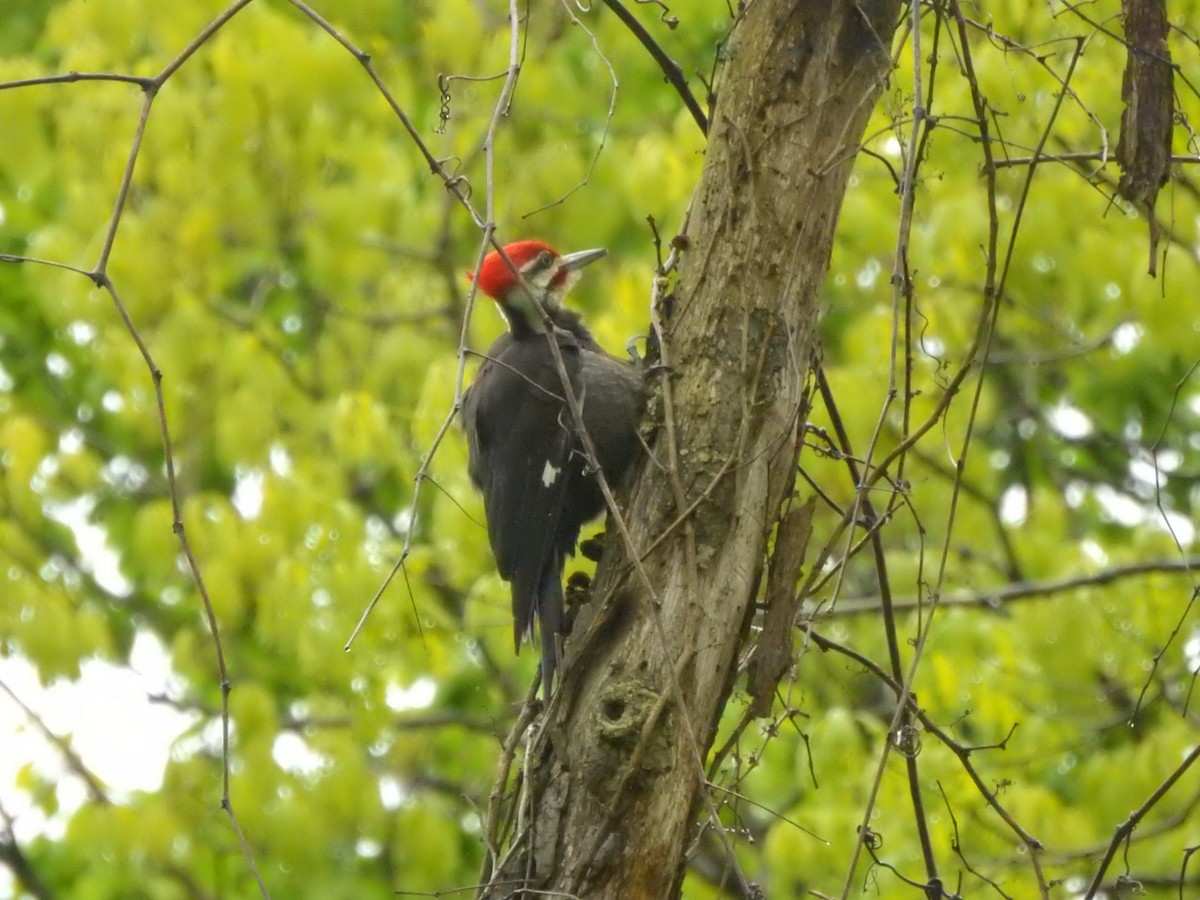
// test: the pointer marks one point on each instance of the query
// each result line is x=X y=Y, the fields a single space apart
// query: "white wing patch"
x=549 y=474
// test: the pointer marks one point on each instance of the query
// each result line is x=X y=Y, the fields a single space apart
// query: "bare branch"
x=670 y=68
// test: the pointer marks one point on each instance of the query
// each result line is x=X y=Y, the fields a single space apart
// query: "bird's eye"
x=544 y=259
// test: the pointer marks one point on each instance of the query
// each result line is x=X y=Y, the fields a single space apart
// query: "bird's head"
x=545 y=275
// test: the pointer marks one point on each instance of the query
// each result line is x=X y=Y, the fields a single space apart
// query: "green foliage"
x=297 y=275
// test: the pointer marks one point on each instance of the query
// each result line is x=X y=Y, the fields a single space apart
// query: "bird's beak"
x=573 y=261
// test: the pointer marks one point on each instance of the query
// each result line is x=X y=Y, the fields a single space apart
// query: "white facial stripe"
x=549 y=475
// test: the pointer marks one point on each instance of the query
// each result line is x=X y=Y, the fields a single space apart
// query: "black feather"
x=527 y=459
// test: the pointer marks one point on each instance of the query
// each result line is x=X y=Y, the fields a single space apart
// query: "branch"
x=670 y=68
x=963 y=753
x=1078 y=157
x=72 y=77
x=94 y=788
x=1125 y=829
x=18 y=863
x=1028 y=590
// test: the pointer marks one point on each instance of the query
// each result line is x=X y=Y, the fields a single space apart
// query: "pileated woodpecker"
x=525 y=453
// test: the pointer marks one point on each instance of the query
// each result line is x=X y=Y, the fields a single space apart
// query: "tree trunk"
x=616 y=781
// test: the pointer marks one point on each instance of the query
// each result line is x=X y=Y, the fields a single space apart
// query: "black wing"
x=520 y=446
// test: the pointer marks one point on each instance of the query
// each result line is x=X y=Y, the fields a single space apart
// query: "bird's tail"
x=550 y=620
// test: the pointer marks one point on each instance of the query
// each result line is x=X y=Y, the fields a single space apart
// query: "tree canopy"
x=244 y=211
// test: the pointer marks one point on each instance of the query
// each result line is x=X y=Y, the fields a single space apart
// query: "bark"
x=1147 y=90
x=615 y=779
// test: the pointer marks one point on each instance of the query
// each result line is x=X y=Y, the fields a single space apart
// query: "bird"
x=524 y=452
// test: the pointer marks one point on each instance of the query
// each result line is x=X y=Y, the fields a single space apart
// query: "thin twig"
x=487 y=228
x=454 y=184
x=963 y=753
x=1080 y=156
x=1125 y=829
x=74 y=762
x=901 y=298
x=608 y=118
x=670 y=68
x=141 y=81
x=1031 y=590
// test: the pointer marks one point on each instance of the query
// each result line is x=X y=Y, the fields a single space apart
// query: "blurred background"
x=298 y=276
